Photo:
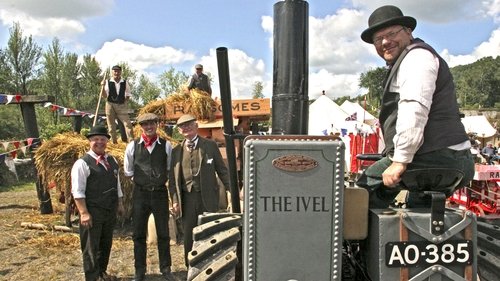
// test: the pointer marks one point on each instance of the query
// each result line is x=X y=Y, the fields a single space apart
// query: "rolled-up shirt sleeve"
x=79 y=174
x=128 y=160
x=415 y=83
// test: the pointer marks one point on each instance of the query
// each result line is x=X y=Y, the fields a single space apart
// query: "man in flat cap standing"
x=199 y=80
x=147 y=161
x=419 y=115
x=95 y=185
x=116 y=91
x=193 y=182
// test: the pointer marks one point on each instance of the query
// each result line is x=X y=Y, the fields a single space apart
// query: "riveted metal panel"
x=293 y=208
x=388 y=224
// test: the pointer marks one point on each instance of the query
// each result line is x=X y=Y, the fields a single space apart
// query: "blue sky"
x=154 y=35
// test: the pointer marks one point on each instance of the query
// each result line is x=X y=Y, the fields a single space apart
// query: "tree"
x=148 y=90
x=172 y=81
x=21 y=57
x=478 y=84
x=90 y=79
x=373 y=81
x=257 y=90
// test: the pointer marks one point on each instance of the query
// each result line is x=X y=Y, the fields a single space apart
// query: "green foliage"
x=21 y=57
x=149 y=91
x=478 y=83
x=171 y=81
x=47 y=132
x=373 y=80
x=257 y=90
x=11 y=123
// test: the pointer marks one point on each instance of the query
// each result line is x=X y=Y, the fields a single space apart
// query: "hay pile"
x=55 y=157
x=198 y=102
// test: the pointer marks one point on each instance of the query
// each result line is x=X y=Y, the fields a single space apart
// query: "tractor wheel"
x=214 y=253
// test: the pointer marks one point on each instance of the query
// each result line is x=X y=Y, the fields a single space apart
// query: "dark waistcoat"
x=115 y=97
x=101 y=190
x=443 y=127
x=150 y=169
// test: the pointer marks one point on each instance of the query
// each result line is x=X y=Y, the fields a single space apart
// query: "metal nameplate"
x=295 y=163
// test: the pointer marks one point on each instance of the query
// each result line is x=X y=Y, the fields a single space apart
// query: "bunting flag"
x=18 y=145
x=353 y=117
x=6 y=99
x=69 y=111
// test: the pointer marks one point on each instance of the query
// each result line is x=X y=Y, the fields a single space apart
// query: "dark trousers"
x=147 y=203
x=381 y=196
x=192 y=207
x=96 y=242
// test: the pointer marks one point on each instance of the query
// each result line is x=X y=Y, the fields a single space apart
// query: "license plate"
x=413 y=253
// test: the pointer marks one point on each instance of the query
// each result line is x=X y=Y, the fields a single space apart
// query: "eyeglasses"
x=389 y=36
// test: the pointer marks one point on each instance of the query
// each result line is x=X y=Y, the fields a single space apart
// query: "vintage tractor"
x=300 y=220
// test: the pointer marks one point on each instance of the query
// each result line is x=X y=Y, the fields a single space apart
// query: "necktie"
x=103 y=160
x=191 y=144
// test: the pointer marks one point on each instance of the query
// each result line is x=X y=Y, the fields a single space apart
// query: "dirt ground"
x=27 y=254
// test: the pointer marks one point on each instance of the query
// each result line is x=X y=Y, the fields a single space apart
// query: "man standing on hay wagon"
x=95 y=186
x=147 y=162
x=116 y=91
x=199 y=80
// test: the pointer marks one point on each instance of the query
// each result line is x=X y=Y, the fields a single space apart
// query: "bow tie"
x=103 y=160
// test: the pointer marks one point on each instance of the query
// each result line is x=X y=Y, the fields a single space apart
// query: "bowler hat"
x=98 y=131
x=145 y=117
x=185 y=118
x=386 y=16
x=198 y=66
x=116 y=67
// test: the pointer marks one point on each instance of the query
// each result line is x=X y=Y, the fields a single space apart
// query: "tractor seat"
x=432 y=179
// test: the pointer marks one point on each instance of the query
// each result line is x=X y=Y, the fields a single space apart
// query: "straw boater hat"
x=98 y=131
x=383 y=17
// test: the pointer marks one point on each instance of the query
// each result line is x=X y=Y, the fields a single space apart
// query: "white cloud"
x=334 y=85
x=52 y=18
x=139 y=56
x=490 y=48
x=63 y=28
x=244 y=71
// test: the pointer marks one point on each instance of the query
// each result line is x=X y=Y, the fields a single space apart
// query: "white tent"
x=353 y=108
x=478 y=125
x=324 y=115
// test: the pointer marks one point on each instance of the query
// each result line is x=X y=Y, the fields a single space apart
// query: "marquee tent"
x=478 y=125
x=324 y=115
x=353 y=108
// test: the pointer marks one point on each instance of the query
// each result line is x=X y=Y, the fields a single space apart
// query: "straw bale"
x=55 y=158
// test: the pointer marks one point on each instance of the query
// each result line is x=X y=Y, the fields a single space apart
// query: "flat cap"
x=116 y=67
x=198 y=66
x=145 y=117
x=185 y=118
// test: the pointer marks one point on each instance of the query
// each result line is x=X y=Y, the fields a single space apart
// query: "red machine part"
x=483 y=196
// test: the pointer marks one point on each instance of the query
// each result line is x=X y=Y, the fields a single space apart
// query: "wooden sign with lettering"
x=244 y=107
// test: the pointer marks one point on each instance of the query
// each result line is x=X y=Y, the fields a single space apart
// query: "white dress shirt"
x=415 y=81
x=128 y=161
x=81 y=171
